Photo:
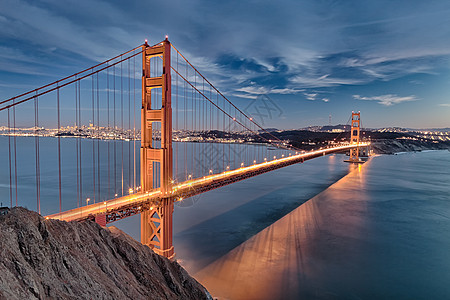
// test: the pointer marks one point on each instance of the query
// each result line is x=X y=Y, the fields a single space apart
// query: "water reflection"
x=227 y=217
x=291 y=258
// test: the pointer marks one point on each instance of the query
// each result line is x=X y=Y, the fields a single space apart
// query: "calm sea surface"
x=323 y=230
x=381 y=232
x=318 y=230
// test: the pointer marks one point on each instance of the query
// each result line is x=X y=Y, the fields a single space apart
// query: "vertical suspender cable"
x=80 y=143
x=211 y=128
x=36 y=143
x=114 y=131
x=93 y=134
x=224 y=134
x=235 y=144
x=185 y=123
x=228 y=128
x=98 y=142
x=176 y=124
x=196 y=112
x=202 y=108
x=76 y=142
x=194 y=122
x=129 y=127
x=109 y=129
x=59 y=150
x=10 y=162
x=121 y=114
x=15 y=150
x=134 y=122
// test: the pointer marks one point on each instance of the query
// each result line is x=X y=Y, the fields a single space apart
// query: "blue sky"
x=387 y=59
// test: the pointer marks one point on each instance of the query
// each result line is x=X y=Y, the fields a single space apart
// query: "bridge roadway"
x=133 y=204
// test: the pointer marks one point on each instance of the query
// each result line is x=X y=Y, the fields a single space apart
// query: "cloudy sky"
x=387 y=59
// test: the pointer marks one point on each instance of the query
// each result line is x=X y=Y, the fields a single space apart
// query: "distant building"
x=4 y=210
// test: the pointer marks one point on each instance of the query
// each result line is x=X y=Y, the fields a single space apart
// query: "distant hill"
x=434 y=129
x=268 y=129
x=387 y=142
x=327 y=128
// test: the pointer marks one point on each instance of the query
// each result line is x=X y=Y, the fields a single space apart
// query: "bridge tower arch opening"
x=156 y=223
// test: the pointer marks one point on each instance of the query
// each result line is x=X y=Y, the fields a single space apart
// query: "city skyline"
x=312 y=59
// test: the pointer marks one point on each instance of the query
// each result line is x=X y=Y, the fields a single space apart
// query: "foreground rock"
x=41 y=259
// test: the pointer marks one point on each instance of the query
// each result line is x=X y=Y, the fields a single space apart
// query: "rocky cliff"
x=51 y=259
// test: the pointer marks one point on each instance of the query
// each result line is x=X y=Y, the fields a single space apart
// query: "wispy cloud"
x=311 y=82
x=445 y=104
x=387 y=100
x=255 y=90
x=286 y=91
x=261 y=90
x=246 y=96
x=314 y=97
x=310 y=96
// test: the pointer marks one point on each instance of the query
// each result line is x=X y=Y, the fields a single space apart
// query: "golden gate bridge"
x=192 y=139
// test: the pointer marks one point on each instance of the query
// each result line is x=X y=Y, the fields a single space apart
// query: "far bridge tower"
x=355 y=137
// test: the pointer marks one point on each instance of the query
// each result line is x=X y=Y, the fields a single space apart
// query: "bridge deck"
x=133 y=204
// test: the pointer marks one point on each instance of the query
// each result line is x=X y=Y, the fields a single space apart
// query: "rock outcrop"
x=51 y=259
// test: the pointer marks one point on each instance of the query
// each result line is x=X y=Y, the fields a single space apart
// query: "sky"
x=307 y=59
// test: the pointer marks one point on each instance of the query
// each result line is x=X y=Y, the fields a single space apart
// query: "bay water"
x=323 y=229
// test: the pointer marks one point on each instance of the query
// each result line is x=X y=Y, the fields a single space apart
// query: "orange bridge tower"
x=354 y=137
x=156 y=223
